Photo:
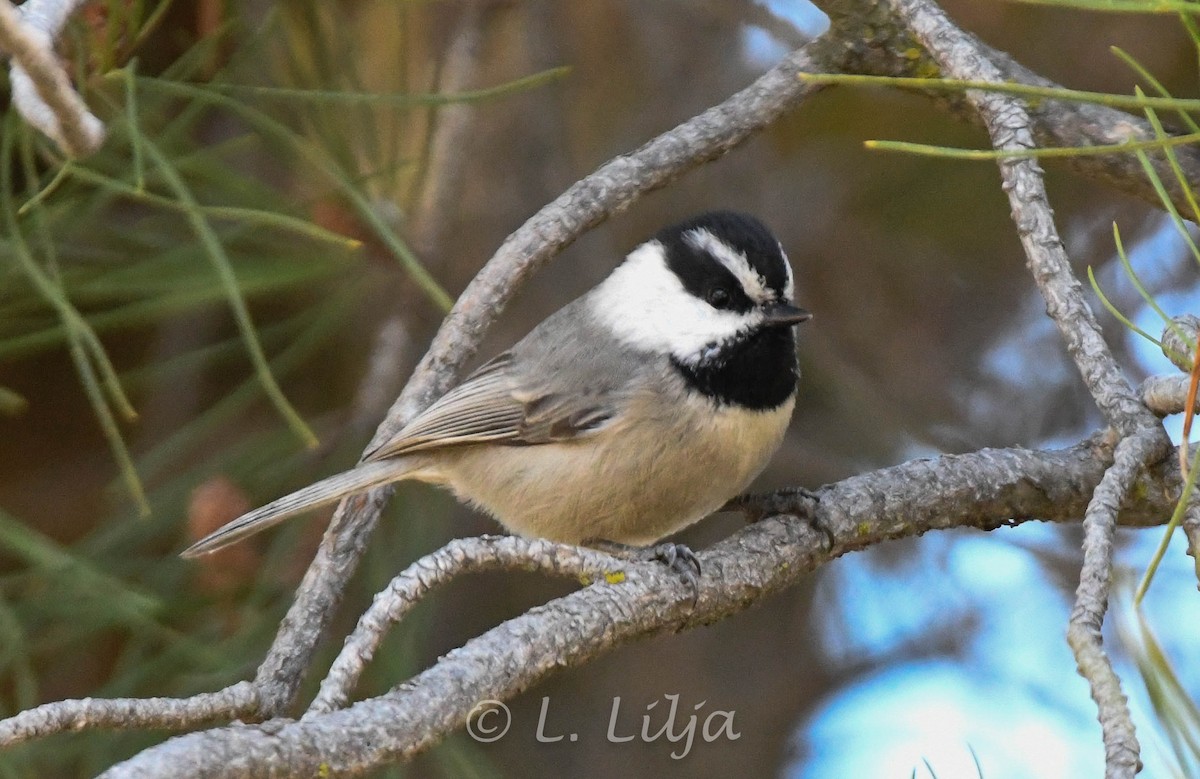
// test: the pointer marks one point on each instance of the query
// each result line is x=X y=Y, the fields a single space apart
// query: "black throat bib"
x=755 y=371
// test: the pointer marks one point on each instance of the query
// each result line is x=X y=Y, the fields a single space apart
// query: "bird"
x=627 y=415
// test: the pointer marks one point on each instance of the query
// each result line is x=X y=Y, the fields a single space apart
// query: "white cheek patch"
x=734 y=261
x=644 y=304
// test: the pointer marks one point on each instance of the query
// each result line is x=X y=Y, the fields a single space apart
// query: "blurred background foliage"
x=220 y=305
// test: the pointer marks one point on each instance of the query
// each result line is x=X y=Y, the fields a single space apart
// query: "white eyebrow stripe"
x=790 y=288
x=734 y=261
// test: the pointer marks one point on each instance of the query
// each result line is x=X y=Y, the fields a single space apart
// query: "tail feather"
x=322 y=493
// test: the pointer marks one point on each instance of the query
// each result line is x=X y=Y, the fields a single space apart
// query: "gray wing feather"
x=545 y=389
x=482 y=408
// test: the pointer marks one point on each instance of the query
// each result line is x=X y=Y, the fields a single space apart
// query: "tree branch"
x=128 y=713
x=41 y=89
x=1009 y=125
x=1166 y=395
x=986 y=489
x=461 y=556
x=871 y=41
x=1169 y=394
x=1091 y=601
x=1191 y=531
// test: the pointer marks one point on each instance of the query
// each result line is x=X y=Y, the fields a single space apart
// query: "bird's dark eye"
x=717 y=297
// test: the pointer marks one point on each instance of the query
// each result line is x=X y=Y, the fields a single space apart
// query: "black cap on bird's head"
x=734 y=262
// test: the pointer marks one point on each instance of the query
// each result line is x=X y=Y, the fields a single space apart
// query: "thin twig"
x=461 y=556
x=1091 y=601
x=128 y=714
x=1166 y=395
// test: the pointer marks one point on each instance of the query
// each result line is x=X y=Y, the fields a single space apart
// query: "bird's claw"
x=678 y=558
x=794 y=501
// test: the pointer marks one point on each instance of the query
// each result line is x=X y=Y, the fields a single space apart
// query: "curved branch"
x=1091 y=600
x=985 y=489
x=128 y=713
x=461 y=556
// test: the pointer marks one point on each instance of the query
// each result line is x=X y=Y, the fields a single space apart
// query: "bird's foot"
x=795 y=501
x=679 y=558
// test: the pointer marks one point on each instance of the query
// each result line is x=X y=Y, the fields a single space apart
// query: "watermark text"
x=672 y=723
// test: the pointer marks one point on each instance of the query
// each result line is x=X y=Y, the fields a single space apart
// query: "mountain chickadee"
x=627 y=415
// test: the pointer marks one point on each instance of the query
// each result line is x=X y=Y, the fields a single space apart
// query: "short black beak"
x=781 y=314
